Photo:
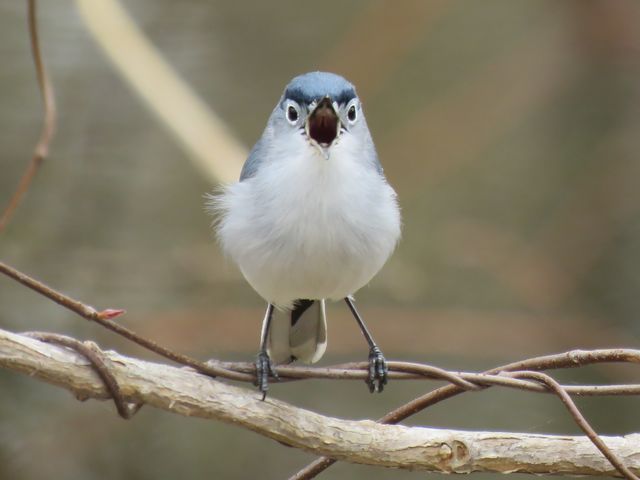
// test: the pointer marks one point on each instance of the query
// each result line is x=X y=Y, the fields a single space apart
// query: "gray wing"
x=376 y=163
x=372 y=154
x=255 y=159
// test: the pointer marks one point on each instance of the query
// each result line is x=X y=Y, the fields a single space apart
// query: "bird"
x=312 y=219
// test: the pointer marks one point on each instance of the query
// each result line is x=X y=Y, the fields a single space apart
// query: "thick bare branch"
x=185 y=392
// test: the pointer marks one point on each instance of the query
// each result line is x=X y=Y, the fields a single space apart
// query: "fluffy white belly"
x=312 y=228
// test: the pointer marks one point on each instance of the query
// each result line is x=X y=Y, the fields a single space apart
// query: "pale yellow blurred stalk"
x=201 y=133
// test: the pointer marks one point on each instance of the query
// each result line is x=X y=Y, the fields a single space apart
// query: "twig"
x=464 y=381
x=49 y=123
x=104 y=318
x=242 y=371
x=98 y=361
x=564 y=360
x=580 y=420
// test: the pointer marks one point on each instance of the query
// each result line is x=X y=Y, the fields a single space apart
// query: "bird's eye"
x=292 y=114
x=352 y=114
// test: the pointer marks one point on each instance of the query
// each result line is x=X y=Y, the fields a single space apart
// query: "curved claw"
x=264 y=368
x=377 y=370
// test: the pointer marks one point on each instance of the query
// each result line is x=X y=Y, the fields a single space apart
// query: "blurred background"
x=508 y=129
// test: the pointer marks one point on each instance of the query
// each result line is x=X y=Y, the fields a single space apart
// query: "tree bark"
x=183 y=391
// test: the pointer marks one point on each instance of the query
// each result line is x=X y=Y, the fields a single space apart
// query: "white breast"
x=308 y=227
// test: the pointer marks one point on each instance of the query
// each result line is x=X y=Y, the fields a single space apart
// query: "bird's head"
x=322 y=107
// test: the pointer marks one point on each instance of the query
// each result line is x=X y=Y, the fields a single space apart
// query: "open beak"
x=323 y=124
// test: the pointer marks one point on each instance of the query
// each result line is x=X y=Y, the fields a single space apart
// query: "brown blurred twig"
x=49 y=121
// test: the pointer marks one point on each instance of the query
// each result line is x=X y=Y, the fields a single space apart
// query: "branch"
x=510 y=375
x=185 y=392
x=461 y=381
x=570 y=359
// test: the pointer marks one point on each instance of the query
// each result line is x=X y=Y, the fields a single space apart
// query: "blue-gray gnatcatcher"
x=312 y=218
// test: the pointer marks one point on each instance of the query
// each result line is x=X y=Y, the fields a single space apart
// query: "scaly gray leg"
x=377 y=363
x=264 y=368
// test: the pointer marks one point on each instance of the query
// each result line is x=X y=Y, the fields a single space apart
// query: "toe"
x=377 y=378
x=263 y=369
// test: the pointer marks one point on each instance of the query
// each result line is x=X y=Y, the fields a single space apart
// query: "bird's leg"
x=377 y=364
x=264 y=368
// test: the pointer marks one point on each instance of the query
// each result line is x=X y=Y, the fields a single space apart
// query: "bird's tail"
x=299 y=333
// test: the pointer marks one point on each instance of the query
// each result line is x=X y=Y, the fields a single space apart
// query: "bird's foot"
x=377 y=370
x=264 y=368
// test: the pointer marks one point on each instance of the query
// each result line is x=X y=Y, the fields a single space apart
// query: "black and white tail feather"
x=299 y=333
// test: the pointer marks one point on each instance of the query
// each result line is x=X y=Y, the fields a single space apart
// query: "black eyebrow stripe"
x=297 y=95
